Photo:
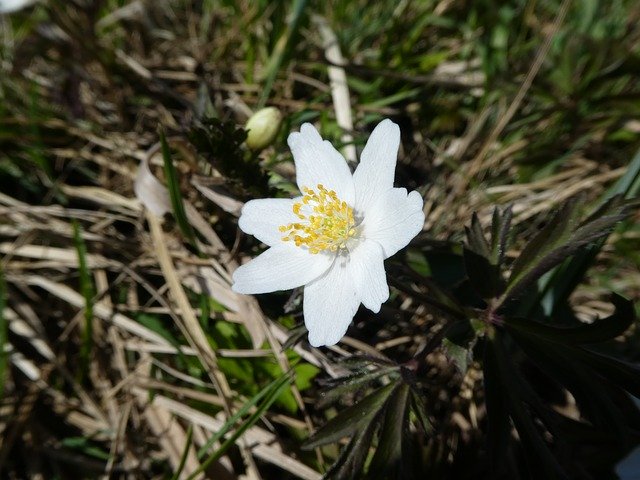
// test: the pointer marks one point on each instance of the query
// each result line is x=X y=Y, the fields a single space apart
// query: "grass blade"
x=88 y=292
x=173 y=186
x=185 y=453
x=280 y=50
x=270 y=393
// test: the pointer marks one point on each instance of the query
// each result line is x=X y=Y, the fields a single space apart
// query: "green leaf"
x=556 y=288
x=624 y=374
x=352 y=419
x=459 y=355
x=540 y=460
x=561 y=363
x=484 y=277
x=387 y=458
x=500 y=226
x=175 y=194
x=340 y=386
x=419 y=408
x=482 y=260
x=554 y=233
x=475 y=238
x=562 y=237
x=498 y=424
x=596 y=332
x=351 y=460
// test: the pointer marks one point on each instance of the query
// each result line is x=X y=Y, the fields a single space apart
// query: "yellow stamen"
x=329 y=227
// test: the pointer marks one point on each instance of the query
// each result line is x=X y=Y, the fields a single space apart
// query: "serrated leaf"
x=351 y=420
x=557 y=288
x=500 y=226
x=475 y=238
x=352 y=457
x=482 y=260
x=559 y=239
x=557 y=229
x=388 y=453
x=340 y=386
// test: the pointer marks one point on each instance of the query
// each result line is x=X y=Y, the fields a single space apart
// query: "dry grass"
x=84 y=90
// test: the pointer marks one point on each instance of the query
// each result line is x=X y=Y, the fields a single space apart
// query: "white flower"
x=334 y=238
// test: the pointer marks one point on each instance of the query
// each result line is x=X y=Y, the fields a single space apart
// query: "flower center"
x=326 y=222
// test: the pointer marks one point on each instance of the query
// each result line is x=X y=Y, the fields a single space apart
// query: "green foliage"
x=221 y=143
x=175 y=194
x=525 y=360
x=386 y=414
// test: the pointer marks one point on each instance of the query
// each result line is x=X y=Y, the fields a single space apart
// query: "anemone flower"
x=334 y=238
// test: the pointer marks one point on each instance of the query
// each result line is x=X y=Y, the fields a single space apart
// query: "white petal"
x=376 y=170
x=369 y=277
x=280 y=268
x=317 y=162
x=261 y=218
x=394 y=219
x=330 y=302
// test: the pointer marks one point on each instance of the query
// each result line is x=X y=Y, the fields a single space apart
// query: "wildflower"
x=334 y=238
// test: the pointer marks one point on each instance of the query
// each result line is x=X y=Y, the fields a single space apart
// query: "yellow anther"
x=329 y=229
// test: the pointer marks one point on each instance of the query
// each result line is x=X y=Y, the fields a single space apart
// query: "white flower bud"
x=263 y=127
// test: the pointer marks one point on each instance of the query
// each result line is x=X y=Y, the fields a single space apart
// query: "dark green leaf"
x=221 y=143
x=388 y=454
x=498 y=424
x=175 y=194
x=560 y=363
x=476 y=240
x=459 y=355
x=485 y=277
x=596 y=332
x=352 y=457
x=553 y=233
x=351 y=383
x=540 y=460
x=624 y=374
x=419 y=408
x=559 y=239
x=500 y=225
x=352 y=419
